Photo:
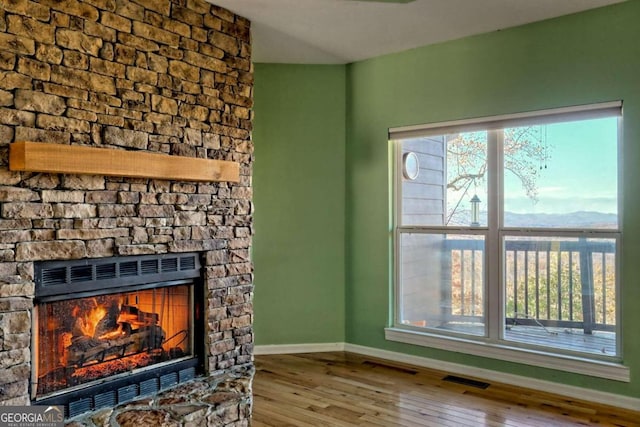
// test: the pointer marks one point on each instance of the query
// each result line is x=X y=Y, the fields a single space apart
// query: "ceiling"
x=343 y=31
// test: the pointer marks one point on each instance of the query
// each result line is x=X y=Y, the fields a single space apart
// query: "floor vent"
x=466 y=381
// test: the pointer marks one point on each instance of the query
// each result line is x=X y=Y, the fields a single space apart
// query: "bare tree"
x=525 y=154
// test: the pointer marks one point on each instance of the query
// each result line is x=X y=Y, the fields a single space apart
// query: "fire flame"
x=88 y=321
x=113 y=334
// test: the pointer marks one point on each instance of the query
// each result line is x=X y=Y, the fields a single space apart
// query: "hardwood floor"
x=343 y=389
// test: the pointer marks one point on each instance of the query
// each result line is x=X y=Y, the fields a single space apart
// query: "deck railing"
x=549 y=283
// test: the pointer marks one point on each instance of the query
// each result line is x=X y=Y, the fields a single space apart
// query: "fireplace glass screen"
x=85 y=340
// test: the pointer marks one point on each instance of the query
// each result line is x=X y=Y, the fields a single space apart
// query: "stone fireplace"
x=172 y=77
x=108 y=330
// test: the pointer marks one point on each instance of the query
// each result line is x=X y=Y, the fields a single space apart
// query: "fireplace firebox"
x=113 y=329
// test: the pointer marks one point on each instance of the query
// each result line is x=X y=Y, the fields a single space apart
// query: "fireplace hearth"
x=110 y=330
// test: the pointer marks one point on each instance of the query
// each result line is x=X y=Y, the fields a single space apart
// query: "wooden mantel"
x=74 y=159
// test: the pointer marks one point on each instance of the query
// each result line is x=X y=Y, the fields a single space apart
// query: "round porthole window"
x=410 y=166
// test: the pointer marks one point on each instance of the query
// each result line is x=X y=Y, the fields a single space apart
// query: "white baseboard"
x=573 y=392
x=298 y=348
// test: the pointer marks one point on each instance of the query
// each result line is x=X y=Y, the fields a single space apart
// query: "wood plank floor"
x=343 y=389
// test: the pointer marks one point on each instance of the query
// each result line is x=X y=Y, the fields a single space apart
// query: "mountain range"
x=580 y=219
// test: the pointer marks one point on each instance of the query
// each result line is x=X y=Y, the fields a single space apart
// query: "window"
x=507 y=232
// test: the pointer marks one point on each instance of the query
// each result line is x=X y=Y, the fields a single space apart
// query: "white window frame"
x=493 y=345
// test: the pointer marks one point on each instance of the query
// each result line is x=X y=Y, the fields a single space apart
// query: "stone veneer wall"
x=156 y=75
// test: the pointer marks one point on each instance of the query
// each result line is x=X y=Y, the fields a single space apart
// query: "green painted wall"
x=299 y=183
x=317 y=172
x=584 y=58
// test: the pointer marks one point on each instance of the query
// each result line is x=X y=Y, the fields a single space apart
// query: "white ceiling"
x=343 y=31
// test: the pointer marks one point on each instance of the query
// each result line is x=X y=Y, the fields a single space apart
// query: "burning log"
x=137 y=317
x=86 y=349
x=109 y=322
x=101 y=331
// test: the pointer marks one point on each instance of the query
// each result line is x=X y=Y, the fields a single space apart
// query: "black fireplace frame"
x=63 y=280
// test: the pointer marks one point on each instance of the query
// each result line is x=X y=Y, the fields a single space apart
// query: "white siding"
x=423 y=203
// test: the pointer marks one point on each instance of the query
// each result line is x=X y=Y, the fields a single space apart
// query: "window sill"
x=566 y=363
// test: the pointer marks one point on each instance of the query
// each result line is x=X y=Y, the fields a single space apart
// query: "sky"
x=580 y=174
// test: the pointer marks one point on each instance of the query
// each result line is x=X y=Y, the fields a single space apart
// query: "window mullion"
x=493 y=254
x=396 y=153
